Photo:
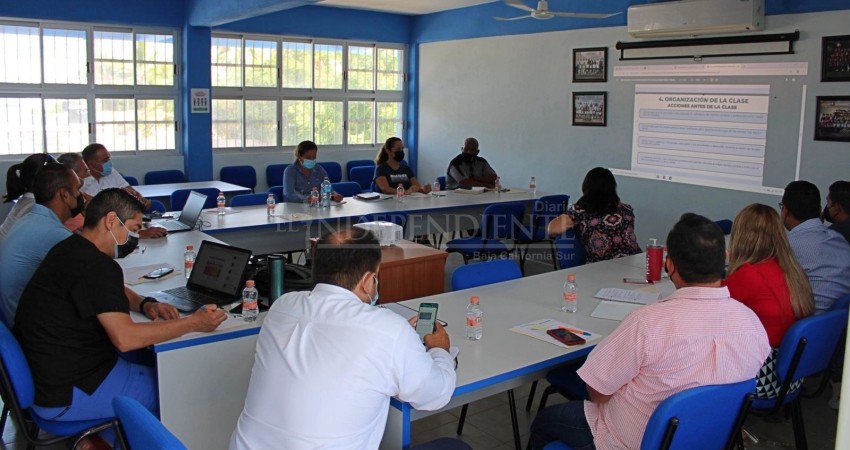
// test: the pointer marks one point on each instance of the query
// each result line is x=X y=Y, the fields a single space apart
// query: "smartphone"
x=158 y=273
x=567 y=337
x=427 y=317
x=636 y=281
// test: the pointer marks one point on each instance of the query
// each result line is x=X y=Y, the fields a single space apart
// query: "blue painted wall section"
x=197 y=128
x=210 y=13
x=168 y=13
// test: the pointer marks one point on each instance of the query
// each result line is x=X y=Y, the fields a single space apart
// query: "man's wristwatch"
x=144 y=301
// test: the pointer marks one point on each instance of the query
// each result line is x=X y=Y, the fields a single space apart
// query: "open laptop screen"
x=219 y=268
x=192 y=209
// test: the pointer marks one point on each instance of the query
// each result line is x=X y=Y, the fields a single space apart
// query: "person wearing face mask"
x=304 y=174
x=309 y=338
x=73 y=319
x=468 y=169
x=390 y=172
x=837 y=209
x=74 y=161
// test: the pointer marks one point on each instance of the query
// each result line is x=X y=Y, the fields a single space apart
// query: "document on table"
x=628 y=296
x=538 y=328
x=232 y=321
x=618 y=303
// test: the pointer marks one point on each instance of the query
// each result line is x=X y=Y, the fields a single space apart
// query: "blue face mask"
x=107 y=168
x=374 y=301
x=309 y=164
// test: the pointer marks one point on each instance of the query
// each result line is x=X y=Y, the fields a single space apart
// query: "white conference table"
x=294 y=223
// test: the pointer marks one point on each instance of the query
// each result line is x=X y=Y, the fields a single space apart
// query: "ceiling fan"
x=542 y=12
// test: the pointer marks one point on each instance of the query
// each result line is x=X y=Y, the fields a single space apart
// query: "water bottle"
x=498 y=184
x=250 y=309
x=570 y=304
x=436 y=186
x=327 y=190
x=270 y=203
x=532 y=185
x=189 y=260
x=399 y=193
x=219 y=201
x=314 y=197
x=474 y=319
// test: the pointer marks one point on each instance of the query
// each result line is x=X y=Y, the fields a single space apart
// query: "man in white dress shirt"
x=328 y=361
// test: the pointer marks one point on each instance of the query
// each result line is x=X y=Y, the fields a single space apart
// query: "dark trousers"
x=564 y=422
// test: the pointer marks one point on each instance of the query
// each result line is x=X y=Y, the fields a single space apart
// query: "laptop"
x=188 y=217
x=217 y=278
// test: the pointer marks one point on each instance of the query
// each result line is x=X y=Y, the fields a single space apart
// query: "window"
x=349 y=95
x=65 y=85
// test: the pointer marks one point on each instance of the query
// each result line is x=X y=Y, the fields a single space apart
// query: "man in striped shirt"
x=697 y=336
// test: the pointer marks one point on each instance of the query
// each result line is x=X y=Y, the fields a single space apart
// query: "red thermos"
x=654 y=260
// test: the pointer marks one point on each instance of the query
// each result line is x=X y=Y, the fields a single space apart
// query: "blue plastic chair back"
x=157 y=206
x=347 y=188
x=132 y=180
x=178 y=197
x=141 y=429
x=569 y=250
x=362 y=175
x=334 y=171
x=396 y=217
x=17 y=368
x=358 y=163
x=483 y=273
x=725 y=225
x=164 y=177
x=244 y=176
x=820 y=335
x=274 y=174
x=250 y=199
x=502 y=220
x=701 y=417
x=543 y=211
x=442 y=181
x=374 y=187
x=278 y=192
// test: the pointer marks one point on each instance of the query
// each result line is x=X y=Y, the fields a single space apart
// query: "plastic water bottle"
x=314 y=197
x=474 y=319
x=270 y=203
x=570 y=304
x=326 y=193
x=250 y=309
x=498 y=184
x=220 y=203
x=436 y=186
x=189 y=260
x=399 y=193
x=532 y=185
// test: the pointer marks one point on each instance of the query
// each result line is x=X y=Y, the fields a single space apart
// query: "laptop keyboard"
x=173 y=225
x=191 y=296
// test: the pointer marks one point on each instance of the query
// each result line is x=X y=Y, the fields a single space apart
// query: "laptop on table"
x=188 y=217
x=217 y=278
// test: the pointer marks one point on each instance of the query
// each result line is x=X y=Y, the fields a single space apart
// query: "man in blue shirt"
x=837 y=209
x=823 y=253
x=58 y=198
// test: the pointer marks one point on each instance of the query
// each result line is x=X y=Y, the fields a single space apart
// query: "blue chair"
x=165 y=177
x=18 y=392
x=699 y=417
x=807 y=348
x=358 y=163
x=132 y=180
x=140 y=430
x=362 y=175
x=725 y=225
x=250 y=199
x=483 y=273
x=569 y=250
x=157 y=206
x=274 y=174
x=543 y=211
x=347 y=188
x=500 y=223
x=480 y=274
x=373 y=187
x=277 y=191
x=397 y=217
x=178 y=197
x=244 y=176
x=334 y=171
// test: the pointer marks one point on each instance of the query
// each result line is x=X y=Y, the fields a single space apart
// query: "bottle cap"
x=190 y=247
x=571 y=277
x=474 y=299
x=271 y=195
x=249 y=283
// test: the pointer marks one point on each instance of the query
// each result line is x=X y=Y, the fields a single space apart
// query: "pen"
x=579 y=332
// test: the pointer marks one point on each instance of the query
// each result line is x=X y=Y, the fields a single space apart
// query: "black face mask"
x=399 y=155
x=129 y=246
x=81 y=205
x=826 y=215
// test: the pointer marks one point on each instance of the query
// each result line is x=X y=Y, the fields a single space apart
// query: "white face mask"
x=374 y=301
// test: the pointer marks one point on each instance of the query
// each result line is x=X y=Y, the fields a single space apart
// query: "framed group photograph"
x=590 y=64
x=590 y=108
x=835 y=58
x=832 y=122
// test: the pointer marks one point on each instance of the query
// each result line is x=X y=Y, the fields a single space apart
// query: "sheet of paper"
x=607 y=309
x=538 y=328
x=401 y=310
x=628 y=296
x=232 y=321
x=135 y=275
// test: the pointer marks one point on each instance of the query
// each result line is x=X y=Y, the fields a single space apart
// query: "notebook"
x=217 y=278
x=188 y=217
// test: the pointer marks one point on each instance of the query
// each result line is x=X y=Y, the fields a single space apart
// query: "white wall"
x=514 y=94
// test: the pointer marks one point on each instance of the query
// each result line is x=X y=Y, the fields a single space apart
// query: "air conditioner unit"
x=695 y=17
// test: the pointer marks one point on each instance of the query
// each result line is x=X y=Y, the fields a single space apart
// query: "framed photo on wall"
x=835 y=58
x=590 y=65
x=832 y=120
x=590 y=108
